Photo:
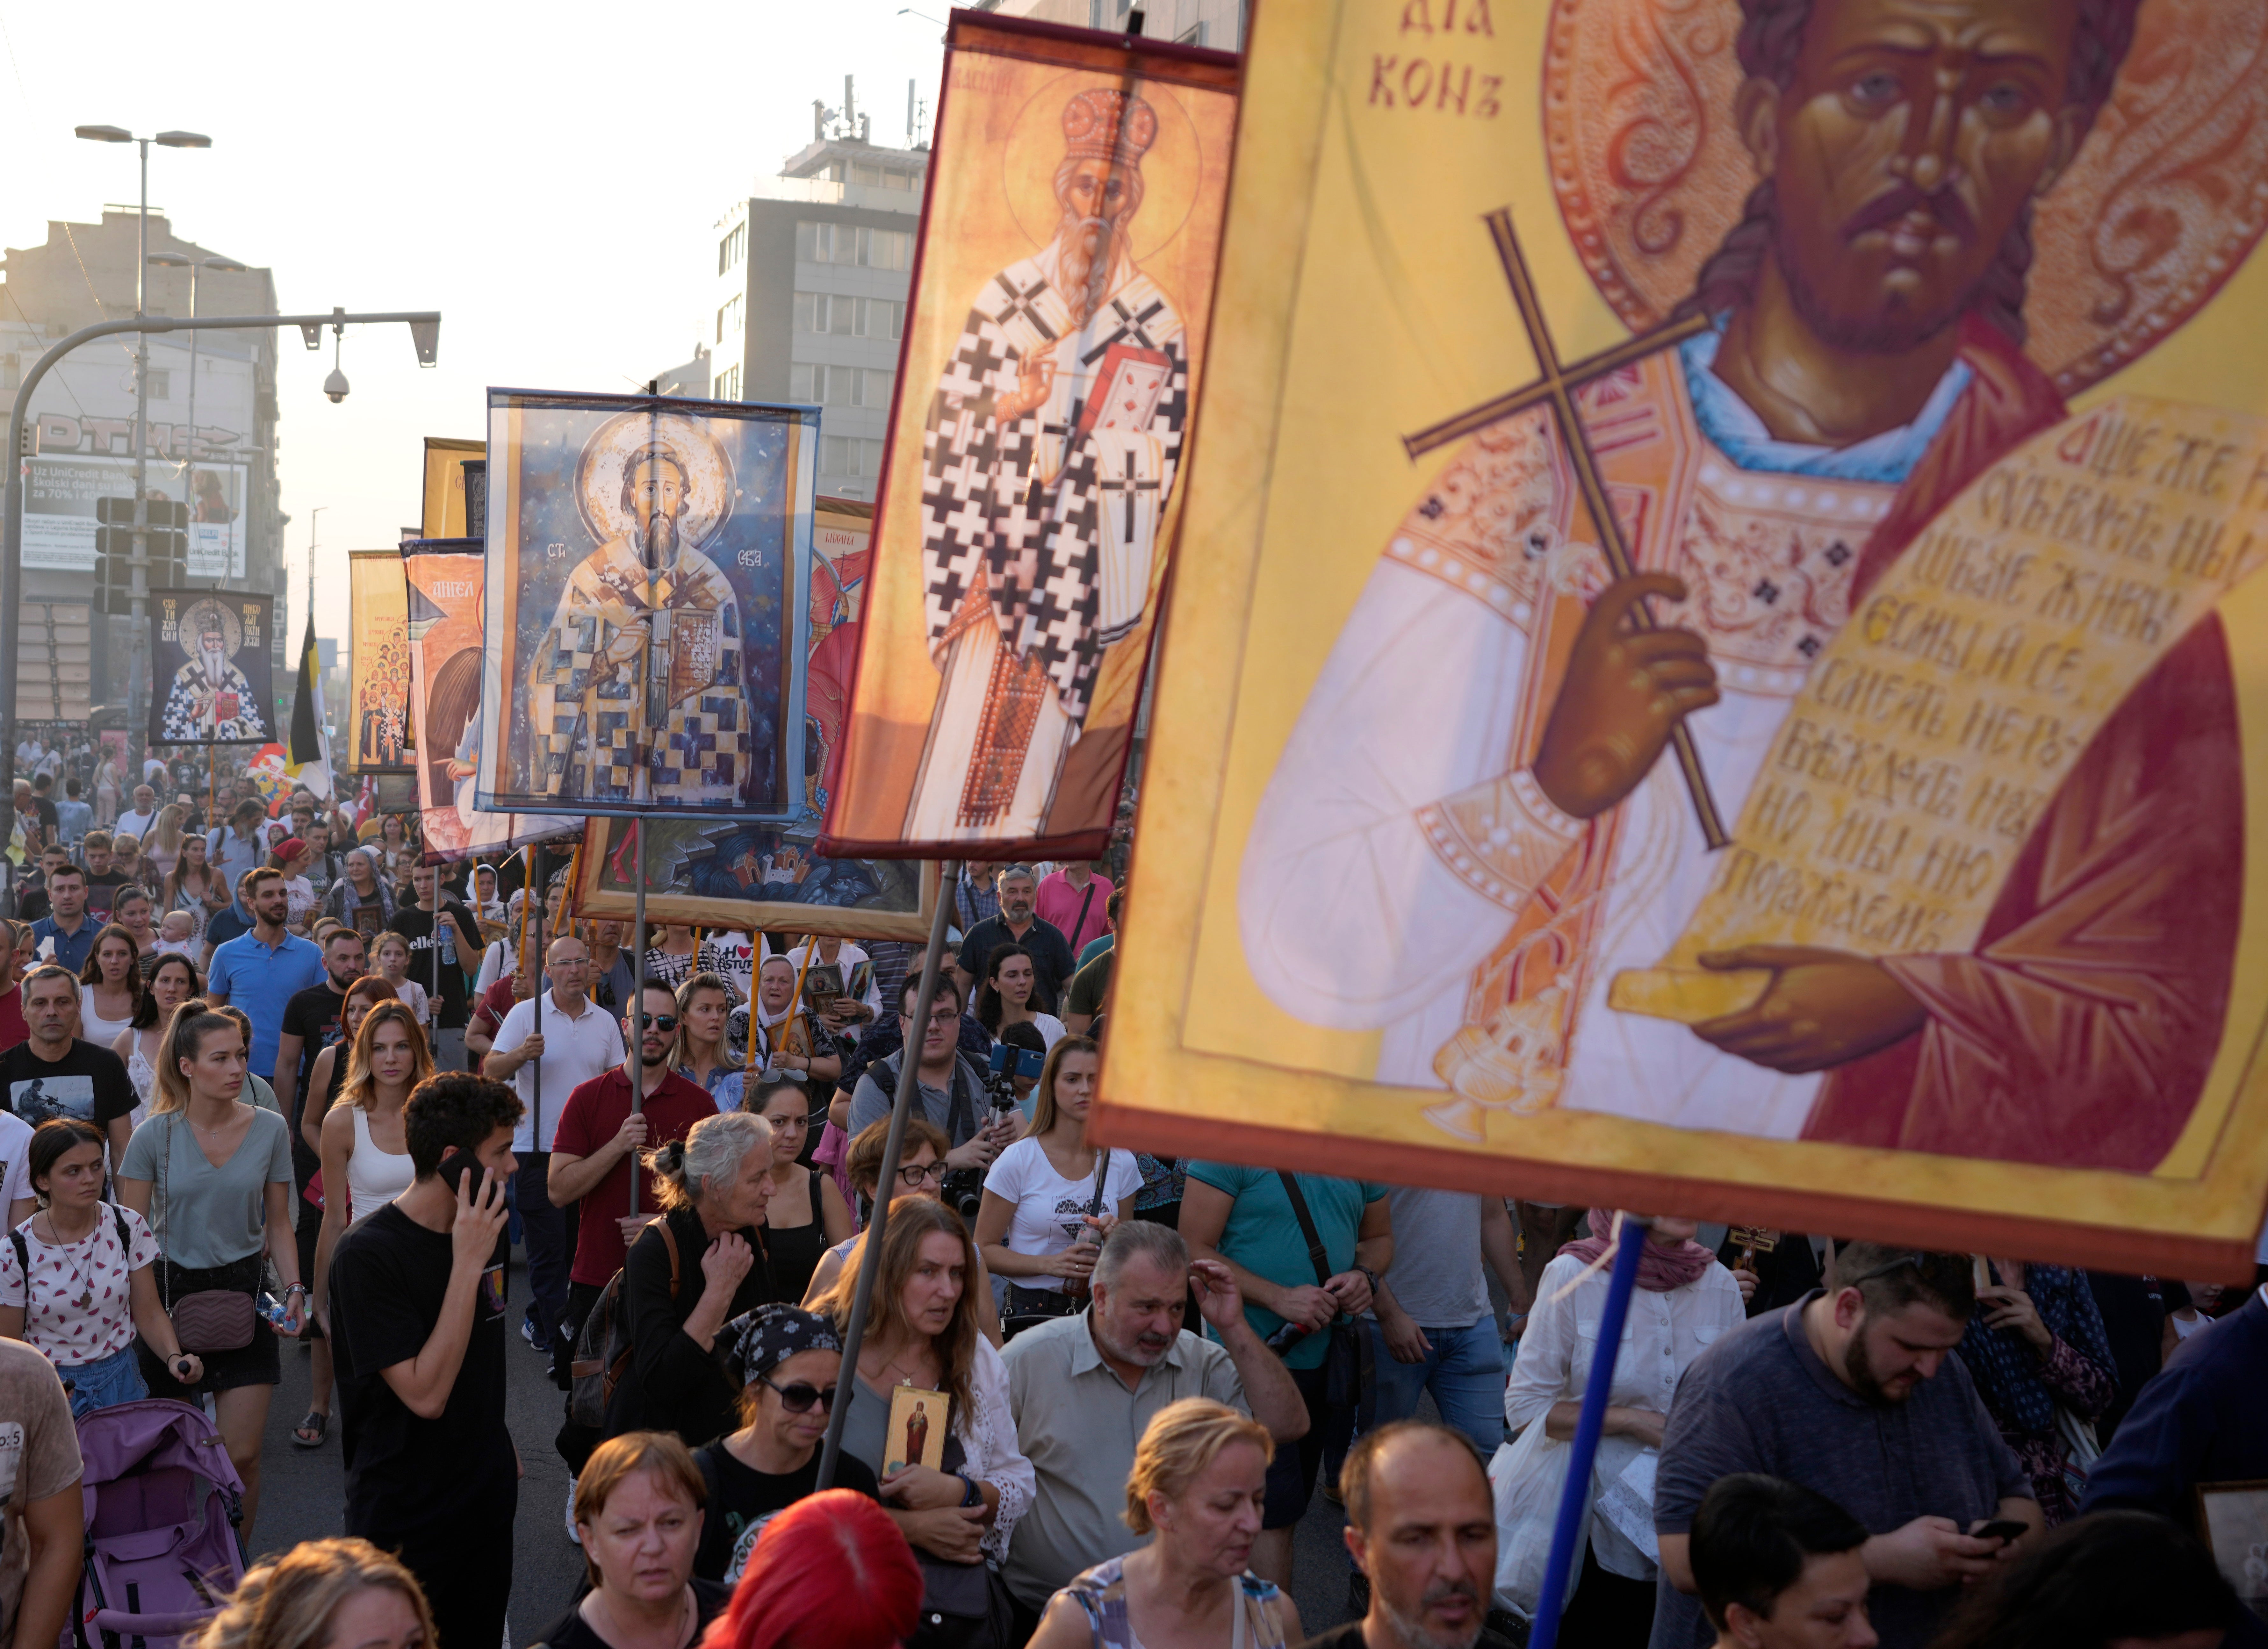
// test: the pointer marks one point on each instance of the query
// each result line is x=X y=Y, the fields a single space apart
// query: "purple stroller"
x=162 y=1503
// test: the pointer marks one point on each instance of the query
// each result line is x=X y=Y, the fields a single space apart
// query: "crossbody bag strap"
x=165 y=1218
x=1083 y=906
x=1316 y=1258
x=23 y=1264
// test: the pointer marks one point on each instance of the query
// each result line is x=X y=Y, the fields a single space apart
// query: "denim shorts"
x=103 y=1383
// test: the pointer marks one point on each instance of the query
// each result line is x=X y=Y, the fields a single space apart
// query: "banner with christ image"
x=1722 y=678
x=442 y=580
x=211 y=667
x=648 y=563
x=378 y=678
x=1060 y=301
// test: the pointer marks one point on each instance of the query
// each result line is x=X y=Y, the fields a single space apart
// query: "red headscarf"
x=1660 y=1270
x=831 y=1570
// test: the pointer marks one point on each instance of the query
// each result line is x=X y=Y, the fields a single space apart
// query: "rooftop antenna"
x=909 y=114
x=850 y=109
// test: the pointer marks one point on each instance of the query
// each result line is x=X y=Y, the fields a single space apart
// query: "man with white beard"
x=1051 y=445
x=211 y=698
x=635 y=692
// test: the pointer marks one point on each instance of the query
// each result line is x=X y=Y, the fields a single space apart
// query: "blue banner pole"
x=1630 y=1245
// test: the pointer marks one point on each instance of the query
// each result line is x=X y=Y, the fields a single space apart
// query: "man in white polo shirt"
x=576 y=1041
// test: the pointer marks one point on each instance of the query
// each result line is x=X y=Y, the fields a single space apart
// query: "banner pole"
x=1629 y=1246
x=894 y=1145
x=636 y=1056
x=528 y=906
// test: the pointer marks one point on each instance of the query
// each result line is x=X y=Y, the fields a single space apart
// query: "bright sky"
x=545 y=177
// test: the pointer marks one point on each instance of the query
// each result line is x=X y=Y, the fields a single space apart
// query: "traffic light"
x=169 y=542
x=166 y=547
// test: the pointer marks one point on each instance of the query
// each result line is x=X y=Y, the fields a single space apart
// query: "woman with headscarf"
x=2036 y=1350
x=1683 y=1301
x=790 y=1361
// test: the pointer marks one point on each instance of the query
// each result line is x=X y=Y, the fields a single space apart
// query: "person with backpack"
x=78 y=1286
x=416 y=1294
x=691 y=1271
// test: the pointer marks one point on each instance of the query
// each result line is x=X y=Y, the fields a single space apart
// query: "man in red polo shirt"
x=591 y=1153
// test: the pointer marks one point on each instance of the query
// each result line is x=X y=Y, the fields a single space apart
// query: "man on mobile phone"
x=416 y=1310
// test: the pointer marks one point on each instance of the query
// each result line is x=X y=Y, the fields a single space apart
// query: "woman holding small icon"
x=76 y=1281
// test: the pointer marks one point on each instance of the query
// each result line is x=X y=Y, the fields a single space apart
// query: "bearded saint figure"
x=211 y=700
x=635 y=692
x=1475 y=776
x=1050 y=448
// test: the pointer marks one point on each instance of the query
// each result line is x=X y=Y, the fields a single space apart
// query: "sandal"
x=316 y=1422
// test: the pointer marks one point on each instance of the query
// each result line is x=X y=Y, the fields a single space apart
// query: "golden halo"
x=708 y=474
x=231 y=628
x=1035 y=148
x=2166 y=199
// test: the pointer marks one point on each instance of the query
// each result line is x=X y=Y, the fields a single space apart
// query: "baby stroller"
x=163 y=1504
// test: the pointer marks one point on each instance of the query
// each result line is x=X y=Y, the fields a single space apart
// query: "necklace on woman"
x=85 y=1278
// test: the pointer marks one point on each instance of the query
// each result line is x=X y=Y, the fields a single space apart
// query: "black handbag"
x=1350 y=1377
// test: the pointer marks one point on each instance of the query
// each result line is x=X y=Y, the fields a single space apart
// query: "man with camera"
x=952 y=1090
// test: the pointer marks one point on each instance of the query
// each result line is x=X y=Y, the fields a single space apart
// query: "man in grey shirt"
x=950 y=1094
x=1085 y=1388
x=1855 y=1393
x=1432 y=1328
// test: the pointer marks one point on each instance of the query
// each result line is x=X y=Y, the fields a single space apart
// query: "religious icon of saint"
x=211 y=699
x=1052 y=441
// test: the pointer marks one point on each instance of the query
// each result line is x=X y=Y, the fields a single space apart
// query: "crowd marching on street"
x=271 y=1079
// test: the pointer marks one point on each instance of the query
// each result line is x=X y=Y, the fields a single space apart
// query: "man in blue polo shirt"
x=263 y=969
x=66 y=935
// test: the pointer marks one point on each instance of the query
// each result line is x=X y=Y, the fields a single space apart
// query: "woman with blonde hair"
x=1051 y=1184
x=637 y=1516
x=362 y=1140
x=691 y=1271
x=1199 y=1481
x=921 y=1331
x=161 y=848
x=322 y=1594
x=704 y=1056
x=213 y=1176
x=328 y=1074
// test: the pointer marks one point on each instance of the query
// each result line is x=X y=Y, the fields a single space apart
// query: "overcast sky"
x=547 y=177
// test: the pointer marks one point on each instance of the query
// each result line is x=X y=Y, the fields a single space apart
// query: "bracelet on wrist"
x=970 y=1494
x=295 y=1288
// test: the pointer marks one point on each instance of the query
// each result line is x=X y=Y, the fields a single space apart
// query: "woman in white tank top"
x=365 y=1154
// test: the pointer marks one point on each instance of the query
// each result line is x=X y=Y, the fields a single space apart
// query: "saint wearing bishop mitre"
x=635 y=692
x=1471 y=831
x=1050 y=449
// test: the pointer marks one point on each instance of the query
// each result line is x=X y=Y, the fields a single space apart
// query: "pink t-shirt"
x=1058 y=903
x=95 y=1268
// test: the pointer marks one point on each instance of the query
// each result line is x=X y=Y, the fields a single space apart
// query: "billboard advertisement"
x=59 y=500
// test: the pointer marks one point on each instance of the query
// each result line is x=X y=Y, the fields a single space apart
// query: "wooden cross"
x=1556 y=388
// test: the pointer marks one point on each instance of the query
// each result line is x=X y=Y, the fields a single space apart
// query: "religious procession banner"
x=1061 y=295
x=1717 y=681
x=753 y=879
x=649 y=561
x=378 y=677
x=442 y=514
x=442 y=579
x=211 y=668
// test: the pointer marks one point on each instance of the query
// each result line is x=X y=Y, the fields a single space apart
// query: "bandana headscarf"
x=1660 y=1270
x=764 y=1338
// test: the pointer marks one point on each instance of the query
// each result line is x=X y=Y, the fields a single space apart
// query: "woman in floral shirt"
x=74 y=1278
x=2036 y=1346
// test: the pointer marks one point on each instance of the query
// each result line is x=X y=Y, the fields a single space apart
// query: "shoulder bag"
x=1349 y=1376
x=1029 y=1307
x=211 y=1319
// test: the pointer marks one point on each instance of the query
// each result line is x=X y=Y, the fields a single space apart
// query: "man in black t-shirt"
x=416 y=1309
x=1052 y=962
x=1421 y=1527
x=53 y=1073
x=443 y=978
x=31 y=901
x=102 y=881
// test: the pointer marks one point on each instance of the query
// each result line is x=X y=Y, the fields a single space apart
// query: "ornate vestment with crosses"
x=646 y=670
x=1045 y=525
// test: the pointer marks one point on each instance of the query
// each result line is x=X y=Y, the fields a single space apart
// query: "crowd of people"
x=1097 y=1390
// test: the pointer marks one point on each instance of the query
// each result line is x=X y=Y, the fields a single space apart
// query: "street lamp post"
x=225 y=266
x=425 y=333
x=138 y=563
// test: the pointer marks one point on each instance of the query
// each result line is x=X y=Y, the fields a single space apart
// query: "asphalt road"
x=303 y=1491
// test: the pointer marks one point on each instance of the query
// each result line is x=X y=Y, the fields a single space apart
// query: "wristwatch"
x=1369 y=1276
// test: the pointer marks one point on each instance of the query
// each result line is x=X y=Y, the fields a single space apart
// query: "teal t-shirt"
x=1262 y=1235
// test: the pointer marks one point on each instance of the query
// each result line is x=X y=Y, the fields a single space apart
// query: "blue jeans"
x=104 y=1383
x=1465 y=1372
x=543 y=1227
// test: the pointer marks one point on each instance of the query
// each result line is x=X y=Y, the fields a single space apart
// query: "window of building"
x=885 y=248
x=12 y=371
x=879 y=317
x=801 y=385
x=847 y=456
x=815 y=243
x=812 y=311
x=874 y=388
x=728 y=384
x=161 y=383
x=732 y=248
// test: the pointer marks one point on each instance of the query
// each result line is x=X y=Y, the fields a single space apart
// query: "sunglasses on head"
x=798 y=1398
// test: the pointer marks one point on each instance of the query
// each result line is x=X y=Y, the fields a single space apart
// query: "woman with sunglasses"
x=807 y=1214
x=921 y=1173
x=790 y=1359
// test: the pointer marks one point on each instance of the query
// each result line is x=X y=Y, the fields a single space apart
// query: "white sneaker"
x=573 y=1533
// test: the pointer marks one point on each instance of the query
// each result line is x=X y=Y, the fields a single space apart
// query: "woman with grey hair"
x=690 y=1272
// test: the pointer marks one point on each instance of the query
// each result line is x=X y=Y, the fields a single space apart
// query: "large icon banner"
x=1718 y=682
x=212 y=667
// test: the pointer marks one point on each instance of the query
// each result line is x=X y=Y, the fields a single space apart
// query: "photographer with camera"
x=1052 y=1198
x=952 y=1095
